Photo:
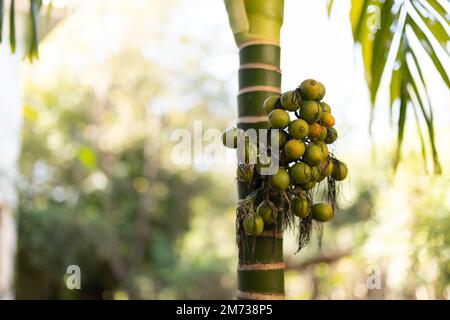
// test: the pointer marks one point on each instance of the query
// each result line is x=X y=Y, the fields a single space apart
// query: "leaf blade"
x=426 y=44
x=12 y=27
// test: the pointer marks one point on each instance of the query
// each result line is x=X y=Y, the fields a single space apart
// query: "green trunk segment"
x=267 y=250
x=260 y=53
x=259 y=77
x=250 y=103
x=256 y=27
x=261 y=281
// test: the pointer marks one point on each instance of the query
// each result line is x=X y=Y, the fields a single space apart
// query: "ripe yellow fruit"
x=311 y=111
x=270 y=103
x=300 y=173
x=290 y=101
x=315 y=131
x=265 y=211
x=253 y=224
x=340 y=170
x=327 y=119
x=322 y=212
x=294 y=149
x=301 y=207
x=311 y=89
x=279 y=119
x=280 y=180
x=298 y=129
x=323 y=135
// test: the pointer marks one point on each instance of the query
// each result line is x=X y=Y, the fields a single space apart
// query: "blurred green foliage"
x=99 y=191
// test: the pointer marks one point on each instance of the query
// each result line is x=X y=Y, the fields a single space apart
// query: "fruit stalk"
x=256 y=26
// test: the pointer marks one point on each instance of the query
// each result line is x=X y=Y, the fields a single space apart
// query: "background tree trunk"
x=256 y=26
x=10 y=125
x=10 y=133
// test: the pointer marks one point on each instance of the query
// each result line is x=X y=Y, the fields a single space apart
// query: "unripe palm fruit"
x=325 y=107
x=279 y=119
x=280 y=180
x=265 y=211
x=253 y=224
x=230 y=137
x=323 y=147
x=301 y=207
x=315 y=174
x=332 y=135
x=315 y=131
x=299 y=129
x=311 y=89
x=245 y=173
x=308 y=185
x=290 y=101
x=322 y=212
x=270 y=103
x=326 y=167
x=311 y=111
x=300 y=173
x=340 y=170
x=294 y=149
x=313 y=154
x=327 y=119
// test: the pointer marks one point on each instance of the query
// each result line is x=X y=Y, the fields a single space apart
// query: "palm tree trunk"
x=256 y=26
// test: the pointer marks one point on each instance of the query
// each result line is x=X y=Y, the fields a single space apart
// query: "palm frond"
x=2 y=7
x=391 y=34
x=33 y=29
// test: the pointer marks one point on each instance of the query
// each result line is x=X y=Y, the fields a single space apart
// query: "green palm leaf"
x=404 y=28
x=2 y=7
